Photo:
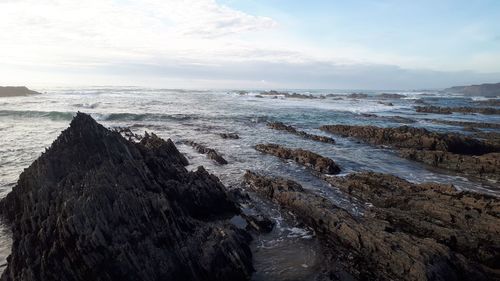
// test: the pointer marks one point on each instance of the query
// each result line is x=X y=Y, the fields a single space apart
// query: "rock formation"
x=210 y=152
x=287 y=128
x=454 y=237
x=463 y=109
x=96 y=206
x=305 y=157
x=233 y=136
x=16 y=91
x=466 y=123
x=450 y=151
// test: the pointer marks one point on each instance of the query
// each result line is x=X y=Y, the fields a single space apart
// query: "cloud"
x=199 y=43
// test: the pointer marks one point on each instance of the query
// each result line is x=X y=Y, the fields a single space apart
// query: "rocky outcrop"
x=379 y=246
x=210 y=152
x=467 y=223
x=482 y=166
x=16 y=91
x=287 y=128
x=414 y=138
x=487 y=90
x=455 y=152
x=233 y=136
x=390 y=96
x=96 y=206
x=395 y=119
x=463 y=109
x=305 y=157
x=275 y=94
x=466 y=123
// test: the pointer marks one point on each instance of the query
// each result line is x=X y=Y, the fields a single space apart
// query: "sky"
x=254 y=44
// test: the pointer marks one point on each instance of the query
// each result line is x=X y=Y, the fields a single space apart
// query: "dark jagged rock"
x=468 y=223
x=233 y=136
x=305 y=157
x=259 y=223
x=96 y=206
x=10 y=91
x=463 y=109
x=454 y=152
x=210 y=152
x=373 y=247
x=127 y=133
x=283 y=127
x=414 y=138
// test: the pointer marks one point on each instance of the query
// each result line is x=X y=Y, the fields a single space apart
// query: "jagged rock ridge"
x=96 y=206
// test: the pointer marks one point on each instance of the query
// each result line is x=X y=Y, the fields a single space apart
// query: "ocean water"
x=28 y=125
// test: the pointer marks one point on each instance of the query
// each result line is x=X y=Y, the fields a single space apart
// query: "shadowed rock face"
x=96 y=206
x=282 y=127
x=454 y=152
x=305 y=157
x=404 y=237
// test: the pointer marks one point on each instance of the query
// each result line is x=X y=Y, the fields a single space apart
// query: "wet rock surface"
x=414 y=138
x=210 y=152
x=287 y=128
x=466 y=123
x=454 y=236
x=96 y=206
x=454 y=152
x=482 y=166
x=233 y=136
x=305 y=157
x=450 y=110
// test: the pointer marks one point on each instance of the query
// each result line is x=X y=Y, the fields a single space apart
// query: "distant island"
x=487 y=90
x=10 y=91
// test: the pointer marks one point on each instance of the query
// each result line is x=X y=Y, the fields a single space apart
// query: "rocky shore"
x=96 y=206
x=454 y=152
x=210 y=152
x=413 y=232
x=290 y=129
x=464 y=109
x=305 y=157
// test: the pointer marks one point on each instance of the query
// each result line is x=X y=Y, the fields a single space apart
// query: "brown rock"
x=310 y=159
x=282 y=127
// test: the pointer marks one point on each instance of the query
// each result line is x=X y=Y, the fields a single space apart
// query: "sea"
x=28 y=126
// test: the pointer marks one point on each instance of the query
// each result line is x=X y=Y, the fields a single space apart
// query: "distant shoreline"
x=20 y=91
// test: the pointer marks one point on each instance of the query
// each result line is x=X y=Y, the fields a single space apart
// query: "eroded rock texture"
x=283 y=127
x=96 y=206
x=455 y=152
x=406 y=236
x=305 y=157
x=463 y=109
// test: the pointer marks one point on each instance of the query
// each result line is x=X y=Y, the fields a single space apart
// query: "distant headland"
x=10 y=91
x=487 y=90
